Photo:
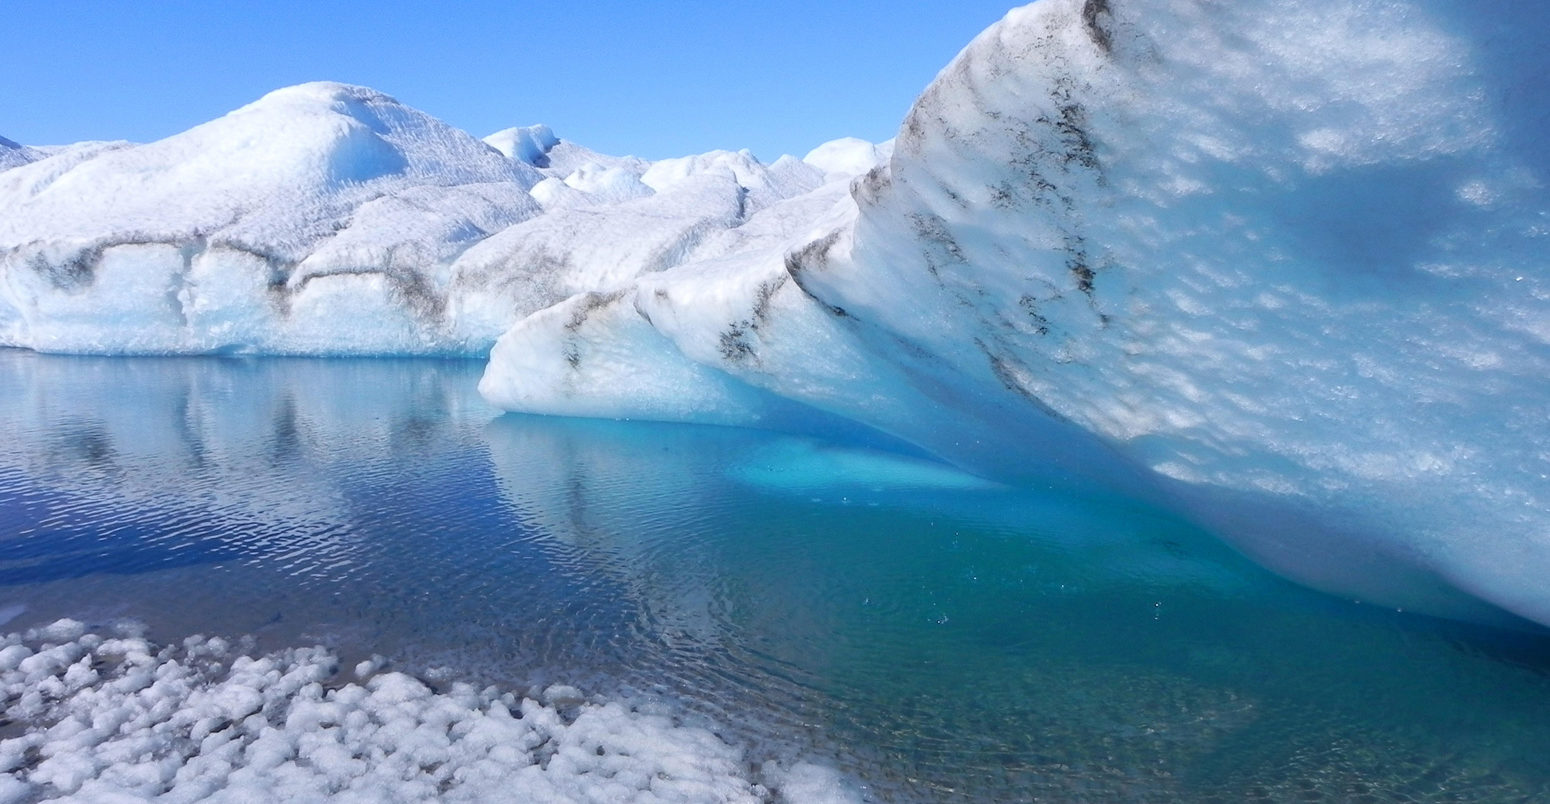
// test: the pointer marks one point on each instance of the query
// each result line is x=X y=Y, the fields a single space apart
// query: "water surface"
x=935 y=635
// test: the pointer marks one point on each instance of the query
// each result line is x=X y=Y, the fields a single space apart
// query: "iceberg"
x=1284 y=269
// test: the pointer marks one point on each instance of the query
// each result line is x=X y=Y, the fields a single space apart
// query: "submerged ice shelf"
x=1283 y=271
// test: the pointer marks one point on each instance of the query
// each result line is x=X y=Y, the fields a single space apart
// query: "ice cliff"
x=1280 y=266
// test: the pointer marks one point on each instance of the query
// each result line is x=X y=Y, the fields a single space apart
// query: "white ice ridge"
x=1282 y=266
x=117 y=718
x=331 y=219
x=13 y=154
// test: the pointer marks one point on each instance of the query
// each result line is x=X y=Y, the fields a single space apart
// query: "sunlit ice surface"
x=929 y=634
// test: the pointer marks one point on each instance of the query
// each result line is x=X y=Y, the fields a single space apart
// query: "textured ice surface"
x=1283 y=268
x=114 y=717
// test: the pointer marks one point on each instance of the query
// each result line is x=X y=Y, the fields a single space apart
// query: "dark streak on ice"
x=735 y=343
x=1031 y=306
x=1001 y=366
x=815 y=256
x=590 y=303
x=1095 y=28
x=868 y=189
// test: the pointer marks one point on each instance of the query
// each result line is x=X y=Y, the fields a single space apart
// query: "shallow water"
x=934 y=635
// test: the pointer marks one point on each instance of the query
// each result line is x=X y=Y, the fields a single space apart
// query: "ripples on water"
x=938 y=635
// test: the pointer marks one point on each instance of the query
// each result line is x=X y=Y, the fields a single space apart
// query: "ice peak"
x=324 y=92
x=530 y=144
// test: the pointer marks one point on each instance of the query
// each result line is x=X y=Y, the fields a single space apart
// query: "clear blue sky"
x=647 y=78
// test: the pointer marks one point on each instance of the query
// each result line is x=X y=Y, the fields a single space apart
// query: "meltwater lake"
x=930 y=635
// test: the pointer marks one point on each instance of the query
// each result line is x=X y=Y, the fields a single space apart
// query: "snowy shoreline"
x=111 y=716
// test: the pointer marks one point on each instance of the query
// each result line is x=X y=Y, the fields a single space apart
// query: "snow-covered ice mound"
x=331 y=219
x=306 y=219
x=1283 y=266
x=530 y=144
x=117 y=718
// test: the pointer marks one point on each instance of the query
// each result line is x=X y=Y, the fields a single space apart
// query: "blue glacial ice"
x=1280 y=268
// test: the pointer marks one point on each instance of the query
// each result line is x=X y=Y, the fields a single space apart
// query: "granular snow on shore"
x=113 y=717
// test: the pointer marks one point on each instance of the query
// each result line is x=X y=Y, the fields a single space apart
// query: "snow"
x=607 y=184
x=848 y=157
x=1284 y=271
x=112 y=716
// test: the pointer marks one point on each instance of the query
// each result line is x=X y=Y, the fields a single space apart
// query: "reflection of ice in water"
x=925 y=629
x=796 y=464
x=955 y=624
x=240 y=458
x=324 y=498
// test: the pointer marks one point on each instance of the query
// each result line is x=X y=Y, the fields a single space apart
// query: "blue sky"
x=652 y=79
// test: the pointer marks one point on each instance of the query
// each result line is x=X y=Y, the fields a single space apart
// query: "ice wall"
x=1283 y=267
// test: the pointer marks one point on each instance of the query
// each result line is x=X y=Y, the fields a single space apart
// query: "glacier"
x=1282 y=269
x=328 y=219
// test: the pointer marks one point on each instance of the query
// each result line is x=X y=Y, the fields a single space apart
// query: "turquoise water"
x=933 y=635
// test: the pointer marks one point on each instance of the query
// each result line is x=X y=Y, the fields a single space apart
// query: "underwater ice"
x=1280 y=268
x=118 y=718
